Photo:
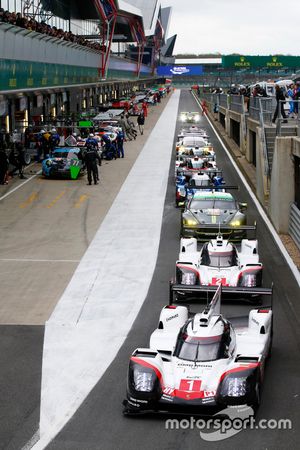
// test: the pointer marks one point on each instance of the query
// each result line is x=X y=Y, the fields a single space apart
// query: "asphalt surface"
x=46 y=226
x=99 y=423
x=21 y=350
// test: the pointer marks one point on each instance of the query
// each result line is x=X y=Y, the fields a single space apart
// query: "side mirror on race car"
x=243 y=206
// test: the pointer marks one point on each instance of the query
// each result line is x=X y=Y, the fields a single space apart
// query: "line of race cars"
x=200 y=362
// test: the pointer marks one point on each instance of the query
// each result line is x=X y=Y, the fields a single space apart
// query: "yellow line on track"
x=57 y=198
x=81 y=199
x=29 y=201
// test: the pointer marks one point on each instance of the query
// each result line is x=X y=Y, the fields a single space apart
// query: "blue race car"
x=66 y=162
x=207 y=180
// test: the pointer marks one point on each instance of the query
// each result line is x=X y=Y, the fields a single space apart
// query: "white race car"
x=200 y=363
x=188 y=116
x=193 y=165
x=193 y=131
x=219 y=262
x=192 y=141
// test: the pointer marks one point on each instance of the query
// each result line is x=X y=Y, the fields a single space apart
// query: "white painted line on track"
x=261 y=211
x=30 y=165
x=40 y=260
x=20 y=185
x=97 y=310
x=32 y=441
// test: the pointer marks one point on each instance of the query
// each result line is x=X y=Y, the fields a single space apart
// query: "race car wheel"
x=271 y=341
x=256 y=402
x=256 y=299
x=27 y=158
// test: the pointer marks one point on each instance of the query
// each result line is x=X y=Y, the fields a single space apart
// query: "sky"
x=248 y=27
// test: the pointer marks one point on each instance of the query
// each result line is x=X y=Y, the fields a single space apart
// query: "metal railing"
x=294 y=225
x=237 y=103
x=223 y=100
x=263 y=136
x=207 y=96
x=285 y=115
x=261 y=105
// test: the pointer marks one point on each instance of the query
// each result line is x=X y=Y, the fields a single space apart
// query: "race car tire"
x=271 y=341
x=256 y=299
x=27 y=158
x=256 y=402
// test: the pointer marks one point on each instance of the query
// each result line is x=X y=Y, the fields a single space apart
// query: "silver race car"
x=209 y=212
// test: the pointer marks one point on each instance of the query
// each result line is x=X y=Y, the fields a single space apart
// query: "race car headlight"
x=197 y=118
x=183 y=117
x=144 y=381
x=188 y=278
x=235 y=223
x=190 y=222
x=237 y=387
x=249 y=280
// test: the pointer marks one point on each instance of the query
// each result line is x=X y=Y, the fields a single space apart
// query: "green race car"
x=209 y=212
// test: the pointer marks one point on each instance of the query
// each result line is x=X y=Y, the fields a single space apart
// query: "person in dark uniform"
x=141 y=122
x=54 y=139
x=46 y=143
x=91 y=157
x=17 y=159
x=3 y=165
x=280 y=100
x=120 y=143
x=20 y=157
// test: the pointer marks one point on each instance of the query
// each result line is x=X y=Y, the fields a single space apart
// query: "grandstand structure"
x=85 y=54
x=225 y=70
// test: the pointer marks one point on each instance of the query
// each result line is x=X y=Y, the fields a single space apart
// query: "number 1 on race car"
x=190 y=385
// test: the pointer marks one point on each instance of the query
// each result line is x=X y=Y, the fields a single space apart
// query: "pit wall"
x=276 y=193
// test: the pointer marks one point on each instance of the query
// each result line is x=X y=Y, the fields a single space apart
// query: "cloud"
x=234 y=26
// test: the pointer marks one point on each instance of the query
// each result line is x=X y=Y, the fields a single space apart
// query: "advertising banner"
x=258 y=62
x=170 y=71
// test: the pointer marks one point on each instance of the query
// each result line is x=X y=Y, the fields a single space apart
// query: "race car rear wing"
x=221 y=227
x=196 y=291
x=228 y=227
x=214 y=187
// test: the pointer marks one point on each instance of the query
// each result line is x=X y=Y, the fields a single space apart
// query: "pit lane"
x=46 y=226
x=99 y=422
